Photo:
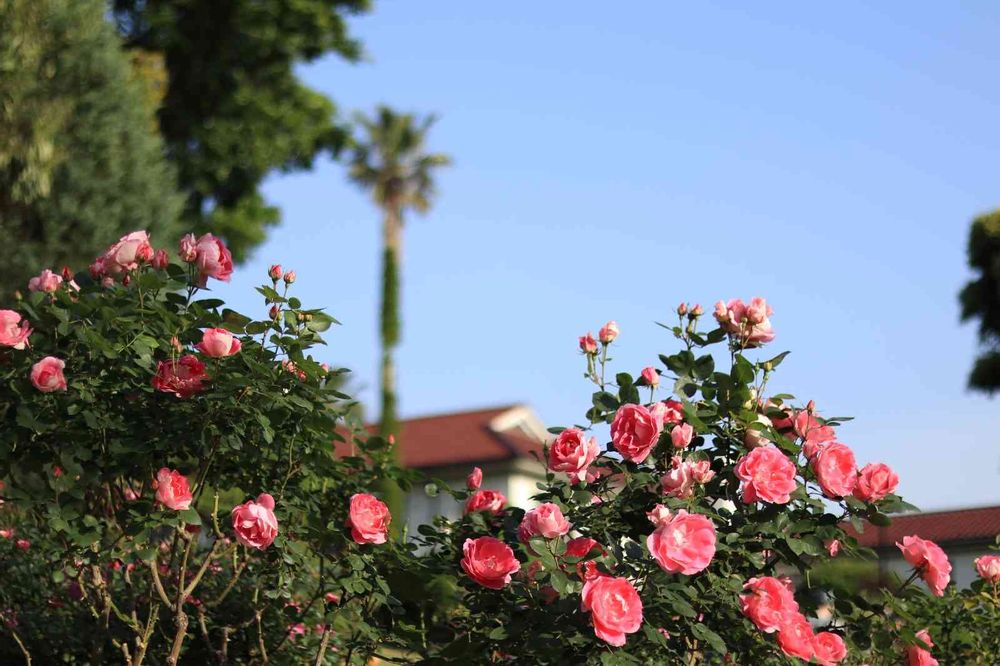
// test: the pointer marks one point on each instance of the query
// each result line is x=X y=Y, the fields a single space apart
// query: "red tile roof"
x=942 y=527
x=465 y=438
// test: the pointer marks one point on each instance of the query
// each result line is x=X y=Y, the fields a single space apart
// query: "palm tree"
x=392 y=164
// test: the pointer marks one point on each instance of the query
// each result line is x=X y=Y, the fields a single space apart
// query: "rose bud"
x=275 y=272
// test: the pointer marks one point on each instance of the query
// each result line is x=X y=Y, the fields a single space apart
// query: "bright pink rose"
x=684 y=543
x=835 y=470
x=368 y=519
x=218 y=342
x=187 y=250
x=254 y=522
x=572 y=452
x=665 y=413
x=172 y=489
x=486 y=500
x=545 y=520
x=213 y=259
x=769 y=602
x=681 y=435
x=796 y=637
x=651 y=376
x=47 y=281
x=828 y=648
x=749 y=324
x=875 y=481
x=488 y=561
x=274 y=272
x=13 y=332
x=475 y=479
x=581 y=546
x=988 y=567
x=588 y=345
x=814 y=434
x=634 y=432
x=47 y=375
x=161 y=260
x=183 y=377
x=927 y=557
x=918 y=656
x=767 y=475
x=615 y=608
x=832 y=546
x=608 y=333
x=126 y=254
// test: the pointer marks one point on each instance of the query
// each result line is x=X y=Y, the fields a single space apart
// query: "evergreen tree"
x=980 y=299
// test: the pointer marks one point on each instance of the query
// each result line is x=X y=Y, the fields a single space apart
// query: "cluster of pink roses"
x=747 y=324
x=47 y=374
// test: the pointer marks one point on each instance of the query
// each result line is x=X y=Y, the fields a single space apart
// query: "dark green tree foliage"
x=980 y=299
x=234 y=111
x=80 y=161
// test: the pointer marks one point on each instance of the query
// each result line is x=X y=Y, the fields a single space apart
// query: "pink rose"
x=13 y=332
x=486 y=500
x=795 y=637
x=832 y=546
x=582 y=547
x=927 y=557
x=47 y=281
x=835 y=470
x=588 y=345
x=769 y=602
x=274 y=272
x=218 y=342
x=681 y=435
x=988 y=567
x=572 y=452
x=634 y=432
x=475 y=479
x=813 y=433
x=126 y=254
x=701 y=471
x=23 y=544
x=678 y=481
x=254 y=522
x=615 y=608
x=47 y=375
x=659 y=515
x=184 y=377
x=545 y=520
x=670 y=411
x=161 y=260
x=289 y=277
x=684 y=543
x=828 y=648
x=918 y=656
x=172 y=489
x=187 y=250
x=748 y=324
x=651 y=376
x=488 y=561
x=213 y=259
x=7 y=533
x=767 y=475
x=368 y=519
x=608 y=333
x=875 y=481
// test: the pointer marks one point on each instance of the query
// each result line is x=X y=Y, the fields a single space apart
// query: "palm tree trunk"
x=392 y=250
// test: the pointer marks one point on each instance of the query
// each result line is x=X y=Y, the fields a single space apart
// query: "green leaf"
x=190 y=516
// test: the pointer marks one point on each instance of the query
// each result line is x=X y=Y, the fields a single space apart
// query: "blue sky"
x=610 y=164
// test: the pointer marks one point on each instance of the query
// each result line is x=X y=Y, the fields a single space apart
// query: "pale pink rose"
x=768 y=602
x=369 y=519
x=748 y=324
x=475 y=479
x=835 y=470
x=213 y=259
x=828 y=648
x=678 y=481
x=927 y=557
x=918 y=656
x=47 y=375
x=545 y=520
x=172 y=489
x=767 y=475
x=218 y=342
x=184 y=377
x=682 y=309
x=634 y=432
x=608 y=333
x=988 y=567
x=681 y=435
x=667 y=412
x=289 y=277
x=572 y=452
x=188 y=248
x=492 y=501
x=161 y=260
x=46 y=281
x=684 y=544
x=660 y=515
x=651 y=376
x=615 y=608
x=126 y=254
x=701 y=471
x=721 y=312
x=488 y=561
x=254 y=522
x=274 y=272
x=697 y=310
x=7 y=533
x=588 y=345
x=13 y=332
x=832 y=546
x=875 y=482
x=795 y=637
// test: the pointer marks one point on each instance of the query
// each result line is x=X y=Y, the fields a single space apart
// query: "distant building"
x=964 y=534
